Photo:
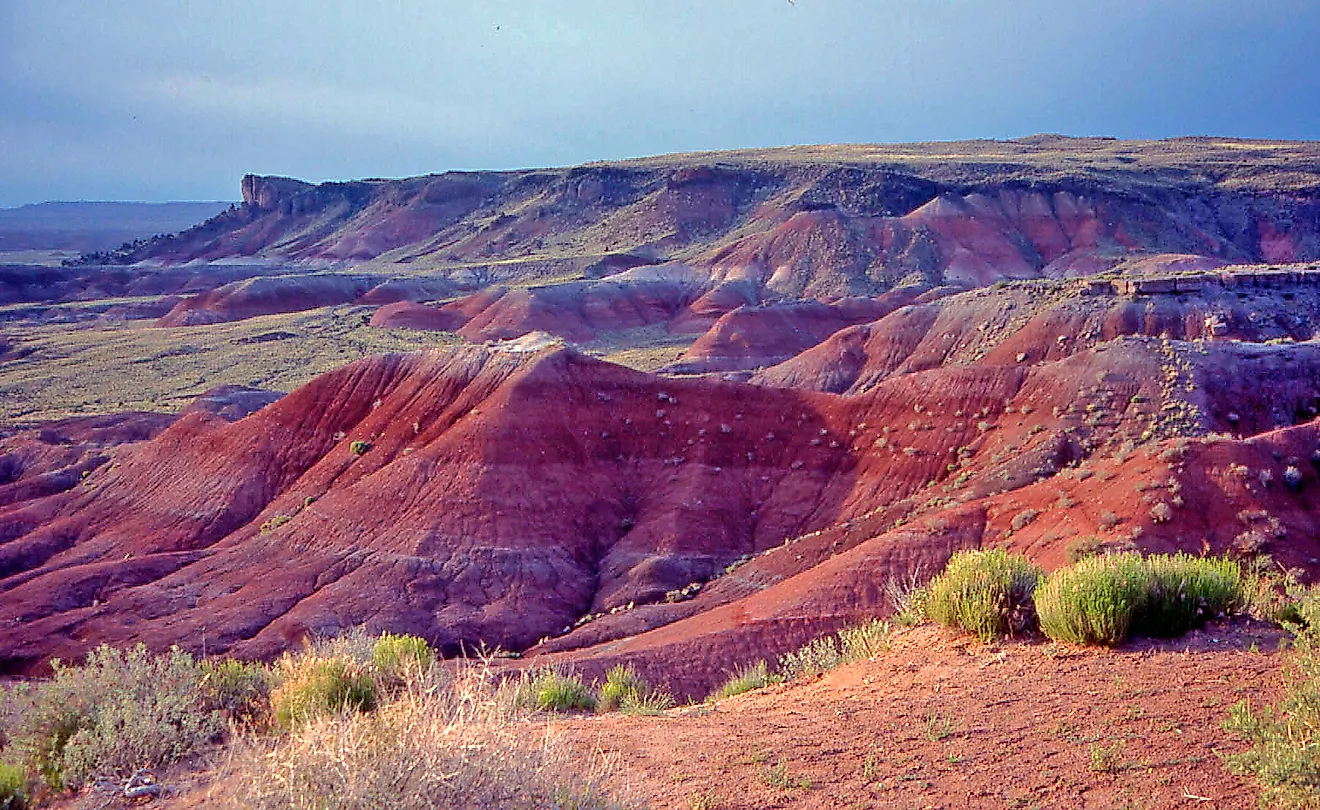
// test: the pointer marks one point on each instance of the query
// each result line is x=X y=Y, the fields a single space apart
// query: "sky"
x=155 y=100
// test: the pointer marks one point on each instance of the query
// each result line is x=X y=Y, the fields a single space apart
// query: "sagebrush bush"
x=119 y=711
x=239 y=687
x=13 y=787
x=745 y=679
x=985 y=593
x=553 y=690
x=315 y=686
x=461 y=743
x=1105 y=600
x=1285 y=737
x=396 y=657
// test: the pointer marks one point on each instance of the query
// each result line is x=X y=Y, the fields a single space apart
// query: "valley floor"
x=950 y=723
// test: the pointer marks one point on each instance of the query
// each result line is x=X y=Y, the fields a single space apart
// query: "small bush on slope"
x=117 y=712
x=986 y=593
x=745 y=679
x=626 y=691
x=396 y=657
x=432 y=746
x=1285 y=738
x=828 y=652
x=314 y=686
x=553 y=690
x=13 y=787
x=1105 y=600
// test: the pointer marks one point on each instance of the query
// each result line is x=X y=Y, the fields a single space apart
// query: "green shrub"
x=398 y=656
x=315 y=686
x=863 y=641
x=1105 y=600
x=553 y=690
x=823 y=654
x=813 y=658
x=1187 y=591
x=621 y=682
x=117 y=712
x=1285 y=737
x=985 y=593
x=359 y=447
x=1095 y=601
x=13 y=787
x=745 y=679
x=239 y=687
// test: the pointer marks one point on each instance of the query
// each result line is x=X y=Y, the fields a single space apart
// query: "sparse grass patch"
x=554 y=690
x=745 y=679
x=825 y=653
x=985 y=593
x=1285 y=737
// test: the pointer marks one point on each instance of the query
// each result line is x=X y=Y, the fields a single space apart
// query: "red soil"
x=941 y=722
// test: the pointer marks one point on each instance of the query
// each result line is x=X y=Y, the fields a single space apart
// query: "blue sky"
x=155 y=100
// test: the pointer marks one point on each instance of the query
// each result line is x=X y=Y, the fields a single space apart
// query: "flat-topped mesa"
x=266 y=192
x=820 y=222
x=1273 y=278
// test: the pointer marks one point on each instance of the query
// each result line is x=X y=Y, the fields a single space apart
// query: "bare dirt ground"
x=938 y=722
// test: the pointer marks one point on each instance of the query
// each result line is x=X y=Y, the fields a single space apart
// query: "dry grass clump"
x=439 y=743
x=985 y=593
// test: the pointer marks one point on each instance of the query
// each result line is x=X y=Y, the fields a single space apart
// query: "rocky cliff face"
x=823 y=222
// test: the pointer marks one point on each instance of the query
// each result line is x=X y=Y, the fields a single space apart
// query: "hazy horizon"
x=153 y=101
